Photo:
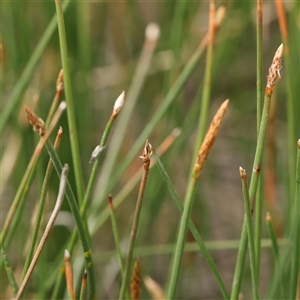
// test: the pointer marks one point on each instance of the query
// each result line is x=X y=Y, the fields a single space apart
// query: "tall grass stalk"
x=259 y=106
x=116 y=233
x=78 y=220
x=205 y=99
x=14 y=100
x=296 y=232
x=83 y=290
x=20 y=196
x=275 y=250
x=146 y=161
x=188 y=202
x=274 y=75
x=96 y=159
x=291 y=136
x=134 y=91
x=59 y=201
x=9 y=271
x=70 y=102
x=192 y=227
x=40 y=211
x=69 y=275
x=248 y=217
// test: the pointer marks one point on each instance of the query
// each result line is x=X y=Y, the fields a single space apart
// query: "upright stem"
x=259 y=96
x=70 y=103
x=296 y=232
x=146 y=160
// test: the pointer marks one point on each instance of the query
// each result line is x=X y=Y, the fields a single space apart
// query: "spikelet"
x=136 y=281
x=37 y=123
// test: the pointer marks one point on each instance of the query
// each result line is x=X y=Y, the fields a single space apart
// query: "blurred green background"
x=105 y=40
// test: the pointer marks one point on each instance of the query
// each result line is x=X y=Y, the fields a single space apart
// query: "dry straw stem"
x=136 y=281
x=38 y=123
x=154 y=289
x=59 y=201
x=83 y=290
x=69 y=274
x=209 y=140
x=59 y=91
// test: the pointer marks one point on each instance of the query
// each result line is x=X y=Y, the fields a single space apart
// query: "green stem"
x=83 y=290
x=205 y=98
x=275 y=251
x=78 y=220
x=259 y=105
x=40 y=208
x=296 y=232
x=116 y=234
x=192 y=227
x=9 y=271
x=146 y=161
x=273 y=73
x=70 y=103
x=87 y=198
x=250 y=234
x=13 y=102
x=181 y=239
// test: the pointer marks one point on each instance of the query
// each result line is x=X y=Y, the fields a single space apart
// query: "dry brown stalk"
x=136 y=281
x=69 y=275
x=274 y=70
x=209 y=139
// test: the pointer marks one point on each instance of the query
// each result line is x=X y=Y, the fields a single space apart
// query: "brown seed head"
x=209 y=139
x=60 y=82
x=274 y=70
x=147 y=152
x=136 y=281
x=37 y=123
x=242 y=173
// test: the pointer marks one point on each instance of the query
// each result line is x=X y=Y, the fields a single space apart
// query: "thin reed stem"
x=69 y=275
x=14 y=100
x=59 y=201
x=192 y=227
x=259 y=106
x=20 y=195
x=146 y=161
x=96 y=159
x=9 y=271
x=188 y=202
x=41 y=206
x=77 y=218
x=250 y=233
x=83 y=290
x=291 y=136
x=275 y=251
x=70 y=103
x=296 y=232
x=206 y=91
x=116 y=233
x=274 y=74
